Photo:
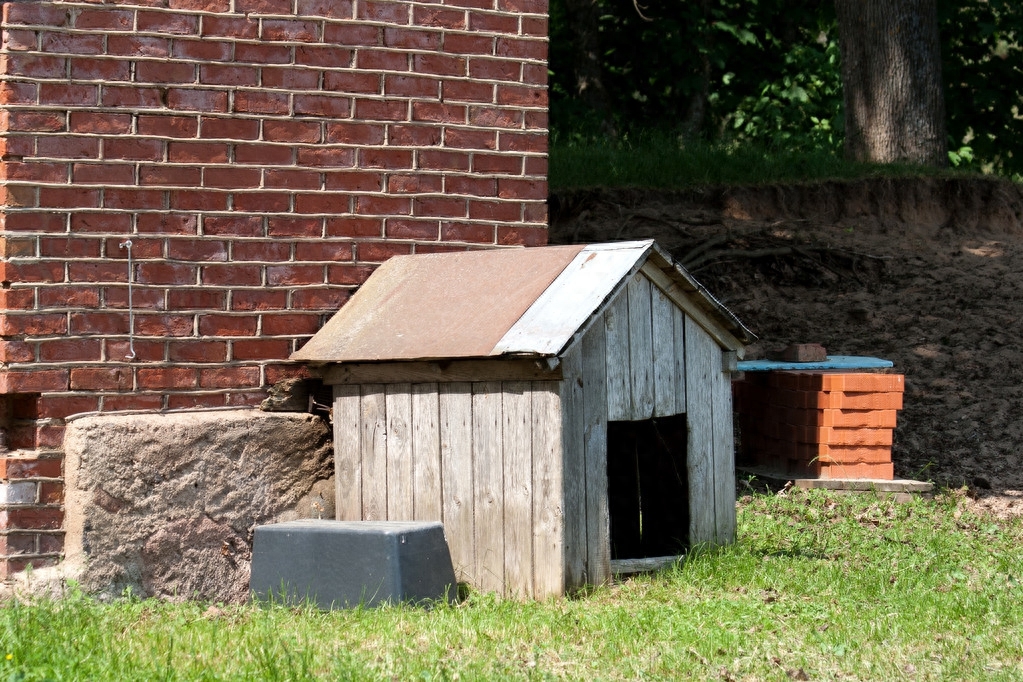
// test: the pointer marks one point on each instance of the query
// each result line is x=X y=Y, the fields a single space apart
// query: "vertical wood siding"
x=595 y=411
x=701 y=352
x=517 y=445
x=645 y=354
x=485 y=458
x=573 y=451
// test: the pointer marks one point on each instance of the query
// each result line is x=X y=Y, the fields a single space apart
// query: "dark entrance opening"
x=648 y=487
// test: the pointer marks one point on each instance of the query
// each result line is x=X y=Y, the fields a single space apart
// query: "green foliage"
x=835 y=586
x=763 y=71
x=669 y=161
x=800 y=110
x=983 y=69
x=767 y=72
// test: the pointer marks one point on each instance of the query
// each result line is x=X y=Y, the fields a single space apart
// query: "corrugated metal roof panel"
x=581 y=288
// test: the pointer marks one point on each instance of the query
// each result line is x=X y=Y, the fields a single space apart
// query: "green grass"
x=654 y=160
x=838 y=587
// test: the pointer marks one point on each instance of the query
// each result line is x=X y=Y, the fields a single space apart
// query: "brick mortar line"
x=143 y=287
x=252 y=89
x=410 y=216
x=199 y=35
x=312 y=215
x=354 y=49
x=215 y=238
x=333 y=171
x=128 y=6
x=276 y=119
x=171 y=364
x=36 y=504
x=286 y=190
x=245 y=116
x=198 y=87
x=67 y=56
x=240 y=214
x=298 y=146
x=182 y=390
x=72 y=56
x=325 y=170
x=260 y=16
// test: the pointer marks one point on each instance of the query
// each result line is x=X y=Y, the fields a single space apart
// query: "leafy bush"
x=983 y=72
x=768 y=72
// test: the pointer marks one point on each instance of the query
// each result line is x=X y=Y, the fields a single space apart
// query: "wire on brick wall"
x=126 y=244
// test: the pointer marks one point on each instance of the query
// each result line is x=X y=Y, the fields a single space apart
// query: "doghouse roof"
x=502 y=302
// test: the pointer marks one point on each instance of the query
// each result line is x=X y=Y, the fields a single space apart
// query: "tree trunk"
x=696 y=112
x=891 y=78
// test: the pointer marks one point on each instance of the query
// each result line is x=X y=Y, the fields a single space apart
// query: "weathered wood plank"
x=399 y=452
x=641 y=348
x=619 y=385
x=573 y=457
x=347 y=454
x=518 y=489
x=678 y=319
x=664 y=370
x=701 y=361
x=581 y=288
x=598 y=517
x=682 y=299
x=548 y=511
x=373 y=415
x=427 y=500
x=446 y=371
x=645 y=565
x=456 y=468
x=488 y=485
x=724 y=457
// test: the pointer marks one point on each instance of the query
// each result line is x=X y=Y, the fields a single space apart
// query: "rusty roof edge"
x=719 y=310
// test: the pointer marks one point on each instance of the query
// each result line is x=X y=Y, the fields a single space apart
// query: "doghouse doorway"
x=648 y=487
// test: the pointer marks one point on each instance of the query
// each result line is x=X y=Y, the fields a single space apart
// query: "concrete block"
x=343 y=564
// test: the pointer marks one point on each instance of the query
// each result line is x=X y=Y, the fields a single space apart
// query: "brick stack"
x=263 y=156
x=819 y=424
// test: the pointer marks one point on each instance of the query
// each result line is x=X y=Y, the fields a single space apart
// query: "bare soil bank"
x=925 y=272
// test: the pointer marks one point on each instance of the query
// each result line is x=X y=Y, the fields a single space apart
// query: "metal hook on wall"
x=126 y=244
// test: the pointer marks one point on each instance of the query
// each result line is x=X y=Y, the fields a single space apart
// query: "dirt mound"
x=925 y=272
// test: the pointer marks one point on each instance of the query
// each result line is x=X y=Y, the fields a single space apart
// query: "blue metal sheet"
x=833 y=362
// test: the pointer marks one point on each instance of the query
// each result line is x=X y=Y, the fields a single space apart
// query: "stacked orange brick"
x=819 y=424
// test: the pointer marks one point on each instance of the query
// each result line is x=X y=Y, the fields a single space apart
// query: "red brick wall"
x=262 y=156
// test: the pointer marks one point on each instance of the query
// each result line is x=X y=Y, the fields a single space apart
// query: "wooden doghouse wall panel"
x=711 y=461
x=660 y=362
x=485 y=458
x=595 y=409
x=645 y=347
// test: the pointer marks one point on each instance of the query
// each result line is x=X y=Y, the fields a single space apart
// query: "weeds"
x=818 y=586
x=660 y=160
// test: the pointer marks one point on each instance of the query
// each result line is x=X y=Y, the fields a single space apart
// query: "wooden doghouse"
x=556 y=408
